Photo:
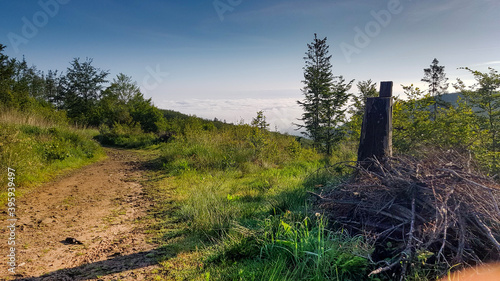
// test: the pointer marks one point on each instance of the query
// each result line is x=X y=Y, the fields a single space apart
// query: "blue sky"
x=231 y=58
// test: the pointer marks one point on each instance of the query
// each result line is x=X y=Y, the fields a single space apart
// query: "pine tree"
x=260 y=121
x=324 y=98
x=333 y=112
x=318 y=81
x=437 y=80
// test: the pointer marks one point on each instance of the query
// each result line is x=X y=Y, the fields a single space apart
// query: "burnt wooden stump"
x=376 y=131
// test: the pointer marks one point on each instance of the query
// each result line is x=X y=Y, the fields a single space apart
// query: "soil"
x=87 y=225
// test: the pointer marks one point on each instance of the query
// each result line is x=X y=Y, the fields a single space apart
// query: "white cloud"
x=279 y=112
x=489 y=63
x=424 y=10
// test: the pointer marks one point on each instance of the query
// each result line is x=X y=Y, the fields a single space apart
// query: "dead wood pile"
x=437 y=208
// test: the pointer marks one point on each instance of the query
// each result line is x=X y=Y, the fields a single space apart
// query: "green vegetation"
x=485 y=96
x=423 y=121
x=437 y=81
x=80 y=97
x=238 y=195
x=325 y=97
x=470 y=126
x=39 y=149
x=48 y=121
x=366 y=89
x=231 y=201
x=36 y=139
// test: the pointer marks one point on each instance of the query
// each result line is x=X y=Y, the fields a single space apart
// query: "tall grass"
x=40 y=117
x=244 y=189
x=311 y=251
x=40 y=147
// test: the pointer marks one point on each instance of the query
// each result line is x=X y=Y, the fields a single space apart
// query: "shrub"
x=125 y=136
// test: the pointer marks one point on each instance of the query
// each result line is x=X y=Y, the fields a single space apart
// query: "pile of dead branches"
x=436 y=211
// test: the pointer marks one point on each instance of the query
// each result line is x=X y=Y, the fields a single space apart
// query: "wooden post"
x=376 y=131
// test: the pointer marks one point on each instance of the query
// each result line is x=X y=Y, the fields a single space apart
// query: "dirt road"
x=103 y=207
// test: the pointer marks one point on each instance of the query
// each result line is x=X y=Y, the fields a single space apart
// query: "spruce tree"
x=333 y=112
x=318 y=81
x=366 y=89
x=260 y=121
x=324 y=98
x=436 y=78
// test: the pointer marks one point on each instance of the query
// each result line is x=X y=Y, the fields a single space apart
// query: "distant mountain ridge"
x=452 y=98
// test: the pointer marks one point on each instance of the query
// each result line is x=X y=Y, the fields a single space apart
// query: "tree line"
x=420 y=121
x=82 y=92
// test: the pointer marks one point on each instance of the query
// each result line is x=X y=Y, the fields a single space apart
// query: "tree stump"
x=376 y=131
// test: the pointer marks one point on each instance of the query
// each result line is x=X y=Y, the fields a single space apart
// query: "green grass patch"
x=38 y=153
x=232 y=205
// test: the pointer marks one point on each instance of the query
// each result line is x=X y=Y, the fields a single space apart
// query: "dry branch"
x=434 y=205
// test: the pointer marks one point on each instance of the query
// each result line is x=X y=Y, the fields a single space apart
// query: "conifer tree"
x=366 y=89
x=324 y=98
x=260 y=121
x=436 y=78
x=317 y=80
x=333 y=112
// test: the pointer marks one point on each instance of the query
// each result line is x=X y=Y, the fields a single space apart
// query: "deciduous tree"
x=485 y=96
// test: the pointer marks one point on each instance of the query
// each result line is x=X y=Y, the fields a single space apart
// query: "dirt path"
x=101 y=206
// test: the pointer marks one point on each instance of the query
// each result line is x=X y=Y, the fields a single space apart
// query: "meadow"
x=233 y=201
x=238 y=209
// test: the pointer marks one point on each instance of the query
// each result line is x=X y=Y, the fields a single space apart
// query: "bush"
x=125 y=136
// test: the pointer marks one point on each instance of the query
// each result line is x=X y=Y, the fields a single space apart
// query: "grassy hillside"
x=232 y=201
x=39 y=147
x=232 y=205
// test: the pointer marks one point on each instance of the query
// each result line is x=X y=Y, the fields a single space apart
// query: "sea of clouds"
x=281 y=113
